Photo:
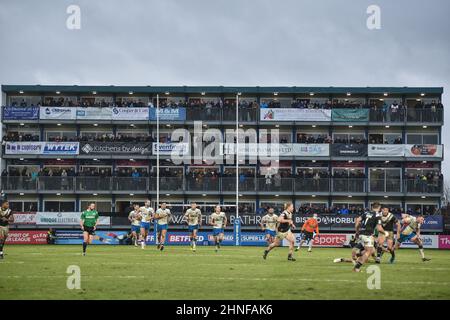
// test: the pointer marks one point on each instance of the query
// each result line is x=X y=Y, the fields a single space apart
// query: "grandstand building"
x=342 y=148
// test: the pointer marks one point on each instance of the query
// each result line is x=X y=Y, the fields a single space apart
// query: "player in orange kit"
x=309 y=231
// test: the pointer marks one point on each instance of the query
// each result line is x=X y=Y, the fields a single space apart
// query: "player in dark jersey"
x=6 y=217
x=88 y=223
x=365 y=228
x=388 y=221
x=285 y=224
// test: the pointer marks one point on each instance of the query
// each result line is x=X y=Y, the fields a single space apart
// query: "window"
x=418 y=208
x=61 y=136
x=418 y=138
x=59 y=206
x=385 y=180
x=102 y=206
x=23 y=206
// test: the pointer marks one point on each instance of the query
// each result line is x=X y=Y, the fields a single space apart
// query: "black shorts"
x=307 y=235
x=89 y=230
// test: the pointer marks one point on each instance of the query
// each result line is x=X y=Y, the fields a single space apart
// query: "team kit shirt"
x=388 y=222
x=146 y=213
x=89 y=217
x=411 y=225
x=134 y=216
x=270 y=221
x=369 y=223
x=163 y=216
x=4 y=214
x=285 y=226
x=193 y=216
x=311 y=225
x=218 y=219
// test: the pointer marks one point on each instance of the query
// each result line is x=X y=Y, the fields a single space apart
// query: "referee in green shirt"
x=88 y=223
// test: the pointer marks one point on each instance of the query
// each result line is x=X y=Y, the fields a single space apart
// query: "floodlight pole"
x=237 y=222
x=157 y=152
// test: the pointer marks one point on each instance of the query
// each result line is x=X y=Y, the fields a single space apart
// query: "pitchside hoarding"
x=27 y=237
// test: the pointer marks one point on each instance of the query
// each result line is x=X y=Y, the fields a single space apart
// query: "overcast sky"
x=228 y=42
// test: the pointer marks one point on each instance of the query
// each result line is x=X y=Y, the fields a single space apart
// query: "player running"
x=162 y=216
x=146 y=212
x=88 y=223
x=135 y=220
x=193 y=218
x=6 y=217
x=411 y=231
x=310 y=230
x=218 y=220
x=365 y=227
x=269 y=225
x=388 y=220
x=285 y=224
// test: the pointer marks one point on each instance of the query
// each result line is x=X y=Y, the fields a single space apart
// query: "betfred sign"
x=27 y=237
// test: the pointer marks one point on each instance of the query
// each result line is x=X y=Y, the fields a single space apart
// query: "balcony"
x=410 y=115
x=215 y=185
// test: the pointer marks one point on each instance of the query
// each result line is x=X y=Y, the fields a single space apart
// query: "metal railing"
x=216 y=184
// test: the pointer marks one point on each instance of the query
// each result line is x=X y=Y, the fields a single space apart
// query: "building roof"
x=217 y=89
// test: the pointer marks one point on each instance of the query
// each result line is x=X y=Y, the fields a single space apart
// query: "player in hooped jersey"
x=410 y=231
x=269 y=225
x=146 y=212
x=162 y=217
x=218 y=220
x=365 y=228
x=310 y=230
x=388 y=221
x=135 y=219
x=193 y=218
x=6 y=217
x=285 y=224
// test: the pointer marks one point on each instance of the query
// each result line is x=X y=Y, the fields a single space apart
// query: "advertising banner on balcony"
x=168 y=114
x=20 y=113
x=279 y=149
x=311 y=150
x=58 y=113
x=386 y=150
x=132 y=148
x=294 y=114
x=94 y=113
x=65 y=219
x=24 y=217
x=168 y=148
x=61 y=148
x=423 y=150
x=350 y=115
x=130 y=113
x=48 y=148
x=24 y=147
x=348 y=150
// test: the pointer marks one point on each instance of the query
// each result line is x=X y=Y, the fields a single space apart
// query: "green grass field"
x=126 y=272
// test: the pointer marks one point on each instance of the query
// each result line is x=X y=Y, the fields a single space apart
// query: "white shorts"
x=366 y=241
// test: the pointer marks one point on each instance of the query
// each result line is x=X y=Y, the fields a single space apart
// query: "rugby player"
x=6 y=217
x=135 y=220
x=388 y=220
x=310 y=230
x=365 y=227
x=162 y=216
x=411 y=231
x=146 y=212
x=269 y=225
x=218 y=220
x=193 y=217
x=285 y=225
x=88 y=223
